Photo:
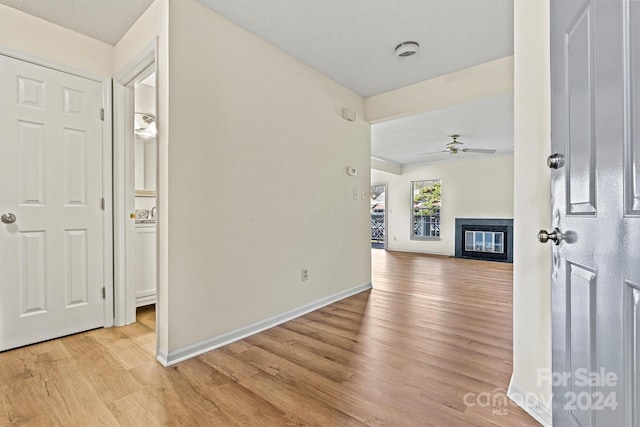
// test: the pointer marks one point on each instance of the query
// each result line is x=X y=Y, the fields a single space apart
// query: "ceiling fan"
x=455 y=147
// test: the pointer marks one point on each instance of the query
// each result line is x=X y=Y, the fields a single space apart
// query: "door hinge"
x=102 y=114
x=104 y=293
x=102 y=203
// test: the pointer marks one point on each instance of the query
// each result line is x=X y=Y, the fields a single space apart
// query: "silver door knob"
x=8 y=218
x=555 y=161
x=544 y=236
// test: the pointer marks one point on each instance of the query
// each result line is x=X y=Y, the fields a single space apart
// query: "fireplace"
x=484 y=238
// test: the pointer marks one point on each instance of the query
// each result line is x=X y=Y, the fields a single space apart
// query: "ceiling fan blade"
x=478 y=150
x=434 y=152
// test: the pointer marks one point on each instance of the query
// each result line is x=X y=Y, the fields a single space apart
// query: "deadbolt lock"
x=555 y=161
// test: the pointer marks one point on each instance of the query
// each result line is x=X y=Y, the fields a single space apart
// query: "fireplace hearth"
x=489 y=239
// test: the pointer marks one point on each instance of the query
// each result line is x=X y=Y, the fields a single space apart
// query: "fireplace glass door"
x=484 y=241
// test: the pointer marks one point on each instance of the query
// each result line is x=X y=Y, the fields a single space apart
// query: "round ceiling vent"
x=407 y=51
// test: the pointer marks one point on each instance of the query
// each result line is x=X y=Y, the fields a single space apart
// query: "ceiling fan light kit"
x=407 y=51
x=144 y=125
x=456 y=147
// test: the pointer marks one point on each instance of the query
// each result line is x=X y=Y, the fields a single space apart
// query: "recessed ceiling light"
x=407 y=51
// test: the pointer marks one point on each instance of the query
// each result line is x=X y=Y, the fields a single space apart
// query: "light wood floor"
x=433 y=330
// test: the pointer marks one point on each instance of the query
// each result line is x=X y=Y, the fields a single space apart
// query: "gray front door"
x=595 y=123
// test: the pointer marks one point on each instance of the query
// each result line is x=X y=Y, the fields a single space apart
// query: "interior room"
x=143 y=258
x=474 y=184
x=263 y=213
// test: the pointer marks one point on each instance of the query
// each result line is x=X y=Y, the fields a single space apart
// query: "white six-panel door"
x=595 y=123
x=51 y=169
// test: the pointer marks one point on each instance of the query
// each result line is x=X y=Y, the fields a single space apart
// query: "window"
x=425 y=209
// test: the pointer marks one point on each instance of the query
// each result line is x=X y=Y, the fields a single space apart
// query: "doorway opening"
x=378 y=216
x=135 y=191
x=143 y=258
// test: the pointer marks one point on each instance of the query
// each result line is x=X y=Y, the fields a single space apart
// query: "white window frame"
x=431 y=235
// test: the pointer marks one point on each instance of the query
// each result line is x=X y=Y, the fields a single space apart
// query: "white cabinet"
x=144 y=264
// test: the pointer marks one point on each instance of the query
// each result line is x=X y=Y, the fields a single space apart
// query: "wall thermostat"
x=352 y=171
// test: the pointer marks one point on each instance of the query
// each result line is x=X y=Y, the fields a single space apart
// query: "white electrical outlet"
x=304 y=274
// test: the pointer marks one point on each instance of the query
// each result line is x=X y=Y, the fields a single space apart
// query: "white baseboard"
x=162 y=356
x=147 y=300
x=178 y=355
x=532 y=405
x=411 y=251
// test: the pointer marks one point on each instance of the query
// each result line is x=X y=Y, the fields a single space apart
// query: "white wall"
x=145 y=99
x=475 y=188
x=532 y=263
x=44 y=40
x=483 y=80
x=257 y=180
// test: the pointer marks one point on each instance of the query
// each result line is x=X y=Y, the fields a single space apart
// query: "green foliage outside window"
x=427 y=197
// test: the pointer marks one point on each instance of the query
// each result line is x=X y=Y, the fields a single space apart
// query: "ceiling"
x=104 y=20
x=353 y=43
x=482 y=123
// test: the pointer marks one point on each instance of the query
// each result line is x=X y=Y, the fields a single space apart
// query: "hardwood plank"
x=289 y=399
x=147 y=316
x=73 y=400
x=121 y=346
x=109 y=379
x=223 y=361
x=308 y=345
x=289 y=350
x=245 y=408
x=178 y=404
x=25 y=399
x=310 y=384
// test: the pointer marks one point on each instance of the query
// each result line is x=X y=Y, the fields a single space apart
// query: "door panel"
x=579 y=110
x=593 y=318
x=581 y=285
x=51 y=172
x=75 y=167
x=31 y=161
x=631 y=34
x=32 y=280
x=632 y=341
x=77 y=267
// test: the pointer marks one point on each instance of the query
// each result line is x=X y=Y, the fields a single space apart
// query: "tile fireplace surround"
x=489 y=239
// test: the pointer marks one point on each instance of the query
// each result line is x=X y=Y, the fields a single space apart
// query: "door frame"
x=124 y=81
x=107 y=171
